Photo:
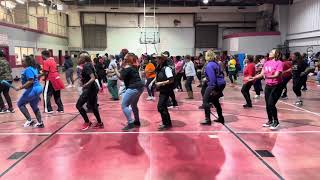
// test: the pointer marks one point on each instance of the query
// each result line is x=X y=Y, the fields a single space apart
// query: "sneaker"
x=153 y=98
x=298 y=103
x=220 y=120
x=170 y=107
x=256 y=97
x=98 y=126
x=11 y=110
x=73 y=86
x=268 y=124
x=247 y=106
x=69 y=86
x=304 y=89
x=86 y=126
x=128 y=127
x=48 y=112
x=4 y=110
x=28 y=123
x=38 y=125
x=149 y=98
x=206 y=122
x=164 y=127
x=60 y=111
x=137 y=123
x=274 y=126
x=284 y=97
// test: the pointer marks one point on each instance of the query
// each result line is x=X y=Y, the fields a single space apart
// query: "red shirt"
x=287 y=65
x=249 y=71
x=50 y=66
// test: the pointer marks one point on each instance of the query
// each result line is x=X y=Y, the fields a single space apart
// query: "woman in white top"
x=190 y=73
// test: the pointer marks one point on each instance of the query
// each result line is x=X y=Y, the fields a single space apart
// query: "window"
x=206 y=36
x=20 y=52
x=95 y=37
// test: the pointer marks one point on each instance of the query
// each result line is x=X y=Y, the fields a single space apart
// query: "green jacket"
x=5 y=70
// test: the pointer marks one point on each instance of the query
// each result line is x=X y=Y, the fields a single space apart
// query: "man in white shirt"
x=112 y=78
x=190 y=72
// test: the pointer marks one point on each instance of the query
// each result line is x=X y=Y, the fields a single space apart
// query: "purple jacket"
x=214 y=74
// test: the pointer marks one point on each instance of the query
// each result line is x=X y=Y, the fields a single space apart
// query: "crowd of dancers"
x=160 y=73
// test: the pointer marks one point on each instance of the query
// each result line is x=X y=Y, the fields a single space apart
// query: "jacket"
x=5 y=70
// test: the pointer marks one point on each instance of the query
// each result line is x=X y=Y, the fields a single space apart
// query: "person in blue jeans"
x=32 y=91
x=129 y=74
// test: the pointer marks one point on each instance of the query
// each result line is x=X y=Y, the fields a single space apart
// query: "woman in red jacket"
x=249 y=72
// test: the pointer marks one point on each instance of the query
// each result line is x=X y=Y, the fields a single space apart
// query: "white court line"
x=165 y=132
x=303 y=110
x=276 y=132
x=226 y=102
x=311 y=112
x=146 y=132
x=23 y=133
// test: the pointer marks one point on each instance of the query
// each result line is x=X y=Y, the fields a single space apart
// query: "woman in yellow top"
x=232 y=69
x=150 y=75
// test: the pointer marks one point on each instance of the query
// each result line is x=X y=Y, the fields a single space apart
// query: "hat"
x=165 y=53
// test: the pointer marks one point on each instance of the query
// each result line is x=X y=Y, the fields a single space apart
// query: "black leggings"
x=297 y=85
x=89 y=96
x=245 y=92
x=284 y=83
x=163 y=109
x=257 y=87
x=188 y=83
x=272 y=95
x=232 y=74
x=178 y=80
x=207 y=99
x=5 y=90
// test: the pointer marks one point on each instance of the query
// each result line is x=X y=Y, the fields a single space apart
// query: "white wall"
x=123 y=32
x=304 y=25
x=253 y=45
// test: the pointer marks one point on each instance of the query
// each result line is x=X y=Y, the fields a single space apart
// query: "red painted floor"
x=186 y=152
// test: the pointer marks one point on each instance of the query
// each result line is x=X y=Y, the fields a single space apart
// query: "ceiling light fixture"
x=205 y=1
x=20 y=1
x=59 y=7
x=8 y=4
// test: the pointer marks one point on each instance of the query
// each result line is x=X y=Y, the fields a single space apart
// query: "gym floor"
x=242 y=149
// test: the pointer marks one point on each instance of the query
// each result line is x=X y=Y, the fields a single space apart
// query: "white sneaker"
x=73 y=86
x=298 y=103
x=38 y=125
x=28 y=123
x=274 y=126
x=69 y=86
x=149 y=98
x=256 y=97
x=153 y=98
x=49 y=112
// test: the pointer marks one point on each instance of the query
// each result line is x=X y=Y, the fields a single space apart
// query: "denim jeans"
x=130 y=98
x=113 y=88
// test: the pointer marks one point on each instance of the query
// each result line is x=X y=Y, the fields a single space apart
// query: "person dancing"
x=129 y=74
x=216 y=84
x=249 y=71
x=5 y=74
x=272 y=72
x=31 y=94
x=299 y=71
x=89 y=94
